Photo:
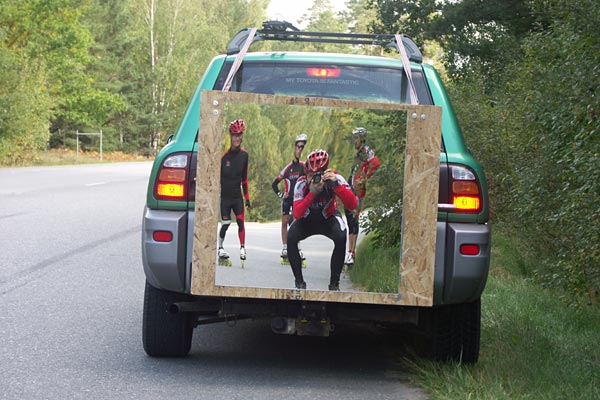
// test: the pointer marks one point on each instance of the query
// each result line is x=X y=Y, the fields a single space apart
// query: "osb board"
x=416 y=268
x=419 y=206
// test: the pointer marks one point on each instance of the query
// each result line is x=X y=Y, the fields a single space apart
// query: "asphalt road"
x=71 y=294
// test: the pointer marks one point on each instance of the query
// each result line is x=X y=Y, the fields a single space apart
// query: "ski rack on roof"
x=285 y=31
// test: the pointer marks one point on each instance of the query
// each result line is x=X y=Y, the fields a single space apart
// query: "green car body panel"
x=456 y=151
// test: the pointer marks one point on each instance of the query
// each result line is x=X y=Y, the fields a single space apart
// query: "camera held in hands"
x=317 y=177
x=329 y=183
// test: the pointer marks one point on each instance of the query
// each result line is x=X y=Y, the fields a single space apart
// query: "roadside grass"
x=381 y=276
x=531 y=348
x=70 y=157
x=533 y=345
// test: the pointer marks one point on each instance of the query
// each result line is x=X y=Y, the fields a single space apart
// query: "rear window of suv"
x=348 y=82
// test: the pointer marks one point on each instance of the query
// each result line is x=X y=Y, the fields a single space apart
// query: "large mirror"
x=371 y=161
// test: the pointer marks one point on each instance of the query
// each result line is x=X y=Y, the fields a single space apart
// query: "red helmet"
x=237 y=127
x=318 y=160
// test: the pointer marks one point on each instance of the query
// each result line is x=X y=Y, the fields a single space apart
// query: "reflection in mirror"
x=256 y=200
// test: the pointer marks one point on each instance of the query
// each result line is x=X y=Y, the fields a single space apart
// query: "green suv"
x=462 y=250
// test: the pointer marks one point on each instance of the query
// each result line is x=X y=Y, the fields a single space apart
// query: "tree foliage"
x=24 y=107
x=560 y=75
x=127 y=67
x=474 y=34
x=51 y=44
x=524 y=81
x=269 y=139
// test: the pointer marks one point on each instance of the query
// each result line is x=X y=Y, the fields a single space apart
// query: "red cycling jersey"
x=365 y=164
x=307 y=203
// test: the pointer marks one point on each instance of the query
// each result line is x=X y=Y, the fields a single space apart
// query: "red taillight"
x=469 y=249
x=465 y=195
x=171 y=183
x=323 y=72
x=162 y=236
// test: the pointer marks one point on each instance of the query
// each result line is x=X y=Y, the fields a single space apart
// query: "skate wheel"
x=225 y=262
x=303 y=263
x=243 y=261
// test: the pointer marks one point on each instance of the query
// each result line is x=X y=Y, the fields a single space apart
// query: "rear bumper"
x=460 y=278
x=165 y=262
x=457 y=279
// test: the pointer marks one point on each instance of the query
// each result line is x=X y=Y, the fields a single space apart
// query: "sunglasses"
x=300 y=146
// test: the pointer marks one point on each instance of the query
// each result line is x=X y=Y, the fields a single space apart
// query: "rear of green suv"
x=463 y=235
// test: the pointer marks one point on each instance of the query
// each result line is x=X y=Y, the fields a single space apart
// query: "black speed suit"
x=318 y=214
x=289 y=175
x=234 y=175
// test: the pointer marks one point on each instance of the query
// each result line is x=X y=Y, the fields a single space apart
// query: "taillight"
x=162 y=236
x=469 y=249
x=171 y=182
x=465 y=193
x=323 y=72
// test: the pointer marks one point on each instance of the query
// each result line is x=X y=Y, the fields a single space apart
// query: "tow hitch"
x=312 y=321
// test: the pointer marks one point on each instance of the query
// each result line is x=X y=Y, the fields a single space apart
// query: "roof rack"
x=285 y=31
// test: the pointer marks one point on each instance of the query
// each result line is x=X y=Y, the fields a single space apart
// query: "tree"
x=50 y=35
x=25 y=107
x=524 y=80
x=321 y=17
x=359 y=18
x=161 y=51
x=561 y=181
x=474 y=34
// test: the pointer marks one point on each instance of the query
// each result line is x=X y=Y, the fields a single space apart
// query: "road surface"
x=71 y=295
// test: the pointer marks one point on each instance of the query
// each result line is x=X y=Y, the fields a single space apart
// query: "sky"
x=292 y=10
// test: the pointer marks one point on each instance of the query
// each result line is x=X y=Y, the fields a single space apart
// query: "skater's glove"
x=359 y=185
x=280 y=195
x=248 y=205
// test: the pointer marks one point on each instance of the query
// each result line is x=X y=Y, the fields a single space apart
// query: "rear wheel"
x=165 y=334
x=453 y=332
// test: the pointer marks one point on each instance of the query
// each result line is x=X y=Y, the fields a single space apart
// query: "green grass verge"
x=375 y=270
x=533 y=345
x=68 y=157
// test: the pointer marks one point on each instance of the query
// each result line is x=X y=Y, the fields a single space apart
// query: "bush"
x=538 y=138
x=24 y=108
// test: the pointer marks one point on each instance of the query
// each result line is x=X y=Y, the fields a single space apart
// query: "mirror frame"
x=419 y=213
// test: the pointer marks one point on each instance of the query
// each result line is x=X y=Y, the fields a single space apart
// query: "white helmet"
x=362 y=132
x=303 y=137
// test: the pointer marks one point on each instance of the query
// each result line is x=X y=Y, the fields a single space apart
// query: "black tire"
x=453 y=332
x=165 y=334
